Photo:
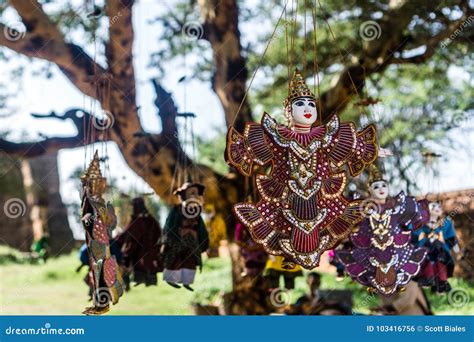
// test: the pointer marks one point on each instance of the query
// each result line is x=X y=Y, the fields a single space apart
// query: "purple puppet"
x=382 y=256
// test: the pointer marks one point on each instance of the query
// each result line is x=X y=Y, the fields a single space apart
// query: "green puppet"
x=185 y=237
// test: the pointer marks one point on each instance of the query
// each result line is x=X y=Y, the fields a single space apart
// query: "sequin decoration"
x=302 y=211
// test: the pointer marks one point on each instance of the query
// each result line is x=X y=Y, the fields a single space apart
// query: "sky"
x=40 y=95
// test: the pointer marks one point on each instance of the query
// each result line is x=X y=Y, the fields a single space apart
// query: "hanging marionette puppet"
x=184 y=237
x=439 y=236
x=277 y=267
x=382 y=256
x=98 y=220
x=302 y=211
x=139 y=244
x=255 y=258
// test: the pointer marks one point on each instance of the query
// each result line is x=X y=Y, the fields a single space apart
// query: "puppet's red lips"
x=308 y=116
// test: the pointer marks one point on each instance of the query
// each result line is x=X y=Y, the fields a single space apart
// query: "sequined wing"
x=244 y=151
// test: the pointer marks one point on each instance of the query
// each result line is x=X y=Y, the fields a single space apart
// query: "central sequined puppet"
x=302 y=211
x=382 y=256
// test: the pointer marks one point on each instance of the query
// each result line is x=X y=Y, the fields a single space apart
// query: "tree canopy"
x=401 y=52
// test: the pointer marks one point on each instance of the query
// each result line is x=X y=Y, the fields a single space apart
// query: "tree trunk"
x=14 y=214
x=46 y=198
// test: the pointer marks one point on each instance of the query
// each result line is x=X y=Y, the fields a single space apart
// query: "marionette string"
x=337 y=46
x=259 y=63
x=315 y=57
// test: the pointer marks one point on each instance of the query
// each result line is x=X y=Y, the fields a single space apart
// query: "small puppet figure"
x=99 y=220
x=302 y=210
x=216 y=228
x=278 y=267
x=382 y=256
x=40 y=248
x=140 y=244
x=184 y=237
x=254 y=255
x=439 y=236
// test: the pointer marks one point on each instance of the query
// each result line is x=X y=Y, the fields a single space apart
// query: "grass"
x=55 y=288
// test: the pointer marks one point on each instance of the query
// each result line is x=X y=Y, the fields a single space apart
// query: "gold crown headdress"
x=93 y=171
x=375 y=175
x=297 y=88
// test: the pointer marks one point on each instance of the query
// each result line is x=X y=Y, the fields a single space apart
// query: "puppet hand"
x=441 y=237
x=384 y=152
x=456 y=249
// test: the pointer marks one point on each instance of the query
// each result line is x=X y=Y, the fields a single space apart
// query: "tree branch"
x=120 y=45
x=221 y=19
x=378 y=54
x=167 y=110
x=44 y=40
x=431 y=44
x=53 y=144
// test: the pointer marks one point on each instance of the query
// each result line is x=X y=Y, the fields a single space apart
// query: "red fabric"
x=441 y=271
x=139 y=247
x=305 y=243
x=435 y=269
x=110 y=271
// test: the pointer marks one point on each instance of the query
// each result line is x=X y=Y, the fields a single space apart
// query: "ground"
x=55 y=288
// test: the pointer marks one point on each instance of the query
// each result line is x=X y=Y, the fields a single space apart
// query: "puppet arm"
x=357 y=149
x=244 y=151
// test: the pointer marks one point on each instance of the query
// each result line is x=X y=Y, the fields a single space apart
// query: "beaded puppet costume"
x=439 y=237
x=98 y=220
x=382 y=256
x=140 y=244
x=184 y=238
x=302 y=210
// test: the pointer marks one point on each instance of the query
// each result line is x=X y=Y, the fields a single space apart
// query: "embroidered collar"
x=392 y=206
x=304 y=139
x=303 y=144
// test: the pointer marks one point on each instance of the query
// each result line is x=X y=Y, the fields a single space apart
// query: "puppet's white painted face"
x=303 y=111
x=379 y=190
x=435 y=209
